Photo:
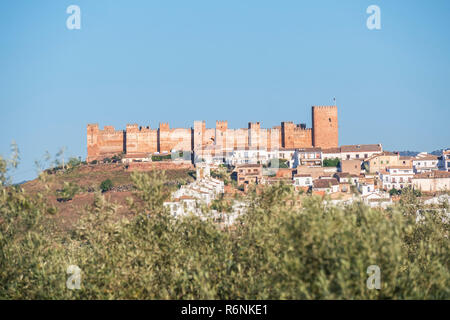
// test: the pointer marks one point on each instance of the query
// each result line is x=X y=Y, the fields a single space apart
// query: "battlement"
x=325 y=107
x=302 y=129
x=254 y=125
x=109 y=129
x=164 y=126
x=222 y=125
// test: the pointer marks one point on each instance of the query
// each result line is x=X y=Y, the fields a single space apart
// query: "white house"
x=248 y=156
x=311 y=157
x=397 y=177
x=377 y=199
x=445 y=160
x=432 y=181
x=425 y=162
x=331 y=153
x=360 y=151
x=303 y=180
x=345 y=177
x=366 y=188
x=329 y=185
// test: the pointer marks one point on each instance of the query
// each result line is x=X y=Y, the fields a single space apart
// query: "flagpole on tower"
x=334 y=100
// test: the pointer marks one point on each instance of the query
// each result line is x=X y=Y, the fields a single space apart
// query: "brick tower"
x=325 y=126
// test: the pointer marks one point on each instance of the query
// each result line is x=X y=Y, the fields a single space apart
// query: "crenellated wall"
x=144 y=140
x=103 y=143
x=179 y=139
x=141 y=139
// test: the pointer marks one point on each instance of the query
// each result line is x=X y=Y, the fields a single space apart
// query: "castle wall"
x=240 y=138
x=179 y=139
x=274 y=138
x=103 y=143
x=107 y=142
x=302 y=138
x=220 y=135
x=141 y=140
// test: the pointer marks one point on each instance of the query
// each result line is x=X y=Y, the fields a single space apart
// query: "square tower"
x=325 y=126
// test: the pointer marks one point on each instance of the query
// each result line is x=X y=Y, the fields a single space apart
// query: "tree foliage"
x=277 y=250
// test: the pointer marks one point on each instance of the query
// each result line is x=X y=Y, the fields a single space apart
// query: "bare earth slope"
x=88 y=178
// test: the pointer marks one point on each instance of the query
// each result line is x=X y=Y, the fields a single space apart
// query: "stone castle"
x=138 y=141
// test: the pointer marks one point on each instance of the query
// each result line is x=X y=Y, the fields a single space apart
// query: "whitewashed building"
x=377 y=199
x=425 y=162
x=360 y=151
x=397 y=177
x=329 y=185
x=432 y=181
x=303 y=180
x=191 y=198
x=445 y=160
x=311 y=157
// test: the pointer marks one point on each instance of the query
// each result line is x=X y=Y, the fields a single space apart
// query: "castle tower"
x=221 y=134
x=199 y=132
x=287 y=134
x=254 y=134
x=325 y=126
x=163 y=137
x=92 y=142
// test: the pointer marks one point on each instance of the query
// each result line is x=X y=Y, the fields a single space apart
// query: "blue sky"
x=178 y=61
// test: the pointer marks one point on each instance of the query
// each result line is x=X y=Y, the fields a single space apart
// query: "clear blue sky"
x=179 y=61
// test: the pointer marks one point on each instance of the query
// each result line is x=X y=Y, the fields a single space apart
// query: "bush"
x=279 y=163
x=74 y=162
x=106 y=185
x=161 y=157
x=68 y=191
x=331 y=162
x=117 y=158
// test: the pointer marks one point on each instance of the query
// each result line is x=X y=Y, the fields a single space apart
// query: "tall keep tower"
x=325 y=126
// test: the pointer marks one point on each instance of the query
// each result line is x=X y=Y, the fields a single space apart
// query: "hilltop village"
x=309 y=159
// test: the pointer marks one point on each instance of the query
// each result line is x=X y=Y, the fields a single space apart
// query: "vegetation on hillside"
x=275 y=251
x=106 y=185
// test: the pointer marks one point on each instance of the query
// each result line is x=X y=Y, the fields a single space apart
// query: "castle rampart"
x=144 y=140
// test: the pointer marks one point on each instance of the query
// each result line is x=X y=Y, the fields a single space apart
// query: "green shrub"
x=279 y=163
x=106 y=185
x=331 y=162
x=161 y=157
x=68 y=191
x=73 y=162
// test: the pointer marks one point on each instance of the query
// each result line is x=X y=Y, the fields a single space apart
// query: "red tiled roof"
x=331 y=150
x=325 y=183
x=361 y=148
x=432 y=175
